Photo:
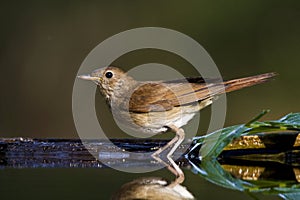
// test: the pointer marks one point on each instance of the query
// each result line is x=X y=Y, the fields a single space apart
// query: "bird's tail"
x=240 y=83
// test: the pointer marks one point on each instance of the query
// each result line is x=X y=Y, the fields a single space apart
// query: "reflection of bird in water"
x=152 y=189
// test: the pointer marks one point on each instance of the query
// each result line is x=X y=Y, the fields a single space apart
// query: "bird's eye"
x=108 y=74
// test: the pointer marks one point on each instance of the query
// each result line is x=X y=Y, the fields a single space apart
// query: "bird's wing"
x=152 y=97
x=194 y=89
x=164 y=95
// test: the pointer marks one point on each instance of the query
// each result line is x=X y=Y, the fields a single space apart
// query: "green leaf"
x=214 y=143
x=291 y=196
x=292 y=118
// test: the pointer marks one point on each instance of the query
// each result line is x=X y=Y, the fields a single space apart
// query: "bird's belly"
x=155 y=122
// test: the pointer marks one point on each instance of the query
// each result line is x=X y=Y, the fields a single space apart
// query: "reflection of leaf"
x=213 y=172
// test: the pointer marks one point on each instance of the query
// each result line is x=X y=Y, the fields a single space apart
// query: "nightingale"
x=151 y=107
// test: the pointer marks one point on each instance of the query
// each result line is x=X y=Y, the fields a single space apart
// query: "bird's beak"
x=89 y=77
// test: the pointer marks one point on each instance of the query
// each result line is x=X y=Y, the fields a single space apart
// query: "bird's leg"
x=180 y=175
x=170 y=143
x=179 y=137
x=174 y=168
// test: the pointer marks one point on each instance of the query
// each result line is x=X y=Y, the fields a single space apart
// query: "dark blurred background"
x=43 y=44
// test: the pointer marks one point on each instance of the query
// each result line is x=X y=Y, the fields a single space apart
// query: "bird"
x=152 y=107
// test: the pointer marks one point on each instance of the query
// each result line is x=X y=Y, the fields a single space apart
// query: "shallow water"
x=74 y=174
x=94 y=184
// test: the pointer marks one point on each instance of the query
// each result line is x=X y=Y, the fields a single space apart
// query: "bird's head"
x=109 y=79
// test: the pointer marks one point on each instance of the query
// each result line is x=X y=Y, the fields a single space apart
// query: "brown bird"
x=151 y=107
